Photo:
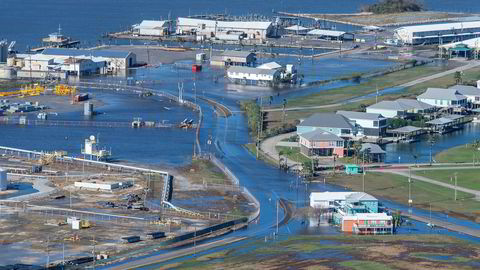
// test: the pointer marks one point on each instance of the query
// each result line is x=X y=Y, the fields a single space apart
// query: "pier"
x=63 y=123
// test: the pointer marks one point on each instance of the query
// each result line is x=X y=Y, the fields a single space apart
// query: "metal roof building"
x=254 y=29
x=331 y=34
x=152 y=28
x=115 y=59
x=438 y=33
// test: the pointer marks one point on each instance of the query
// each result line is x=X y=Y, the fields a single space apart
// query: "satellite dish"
x=92 y=138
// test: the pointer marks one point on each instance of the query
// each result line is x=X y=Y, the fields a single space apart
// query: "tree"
x=394 y=6
x=458 y=77
x=357 y=146
x=318 y=212
x=307 y=168
x=474 y=146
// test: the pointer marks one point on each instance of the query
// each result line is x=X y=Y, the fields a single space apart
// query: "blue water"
x=27 y=21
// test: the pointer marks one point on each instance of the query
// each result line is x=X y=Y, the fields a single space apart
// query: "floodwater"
x=88 y=20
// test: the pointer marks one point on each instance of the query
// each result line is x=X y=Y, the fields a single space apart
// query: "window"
x=339 y=143
x=375 y=123
x=331 y=143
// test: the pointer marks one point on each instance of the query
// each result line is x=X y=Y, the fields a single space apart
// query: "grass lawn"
x=457 y=154
x=339 y=252
x=389 y=80
x=395 y=187
x=465 y=178
x=293 y=153
x=204 y=171
x=370 y=86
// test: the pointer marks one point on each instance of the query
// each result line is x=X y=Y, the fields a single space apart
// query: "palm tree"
x=357 y=146
x=458 y=77
x=431 y=140
x=475 y=145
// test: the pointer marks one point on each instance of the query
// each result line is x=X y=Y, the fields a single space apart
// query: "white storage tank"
x=3 y=179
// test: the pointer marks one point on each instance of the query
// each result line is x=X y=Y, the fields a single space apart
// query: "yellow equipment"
x=64 y=90
x=29 y=90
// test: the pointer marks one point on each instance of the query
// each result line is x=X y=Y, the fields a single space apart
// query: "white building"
x=114 y=59
x=437 y=33
x=440 y=97
x=250 y=75
x=152 y=28
x=400 y=108
x=331 y=34
x=372 y=124
x=211 y=28
x=472 y=93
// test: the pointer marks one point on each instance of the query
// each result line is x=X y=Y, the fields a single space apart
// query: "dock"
x=22 y=121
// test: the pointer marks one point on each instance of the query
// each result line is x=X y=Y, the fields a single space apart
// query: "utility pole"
x=455 y=186
x=277 y=219
x=48 y=252
x=363 y=171
x=409 y=185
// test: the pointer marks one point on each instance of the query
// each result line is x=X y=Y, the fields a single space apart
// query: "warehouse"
x=437 y=33
x=331 y=34
x=115 y=60
x=152 y=28
x=211 y=28
x=234 y=58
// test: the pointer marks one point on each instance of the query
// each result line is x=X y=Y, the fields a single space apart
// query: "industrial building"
x=234 y=58
x=372 y=124
x=152 y=28
x=331 y=34
x=43 y=66
x=212 y=28
x=437 y=33
x=114 y=59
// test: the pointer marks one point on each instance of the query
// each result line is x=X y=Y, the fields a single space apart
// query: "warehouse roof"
x=361 y=115
x=296 y=28
x=471 y=43
x=149 y=24
x=270 y=65
x=320 y=135
x=327 y=120
x=440 y=26
x=329 y=196
x=80 y=52
x=182 y=21
x=244 y=54
x=322 y=32
x=467 y=90
x=251 y=70
x=441 y=94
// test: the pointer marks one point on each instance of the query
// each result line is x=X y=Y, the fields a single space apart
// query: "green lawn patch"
x=459 y=154
x=292 y=153
x=468 y=178
x=395 y=187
